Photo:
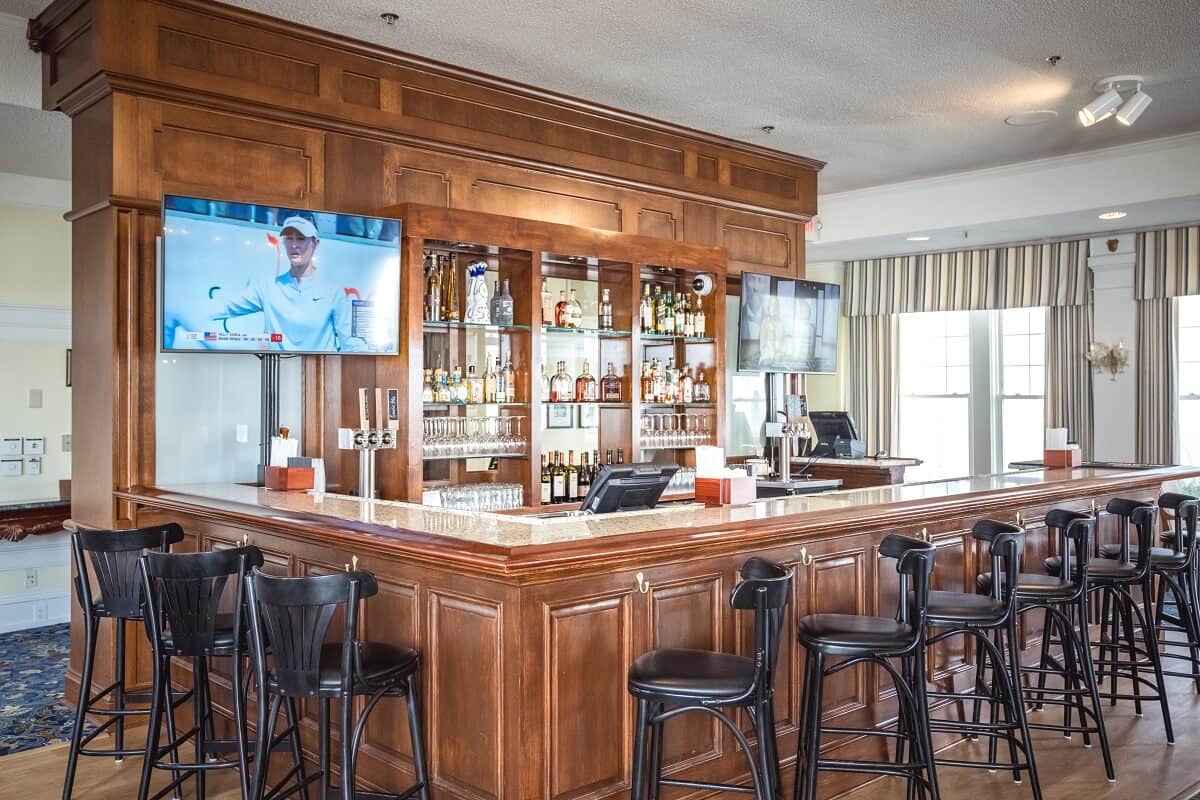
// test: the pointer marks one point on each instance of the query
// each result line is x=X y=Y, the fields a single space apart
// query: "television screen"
x=246 y=278
x=787 y=325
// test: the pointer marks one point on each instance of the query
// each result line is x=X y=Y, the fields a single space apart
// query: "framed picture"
x=589 y=417
x=559 y=415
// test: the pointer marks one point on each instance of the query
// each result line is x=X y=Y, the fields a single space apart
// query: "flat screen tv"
x=247 y=278
x=787 y=325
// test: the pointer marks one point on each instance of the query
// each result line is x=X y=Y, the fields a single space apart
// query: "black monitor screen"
x=627 y=487
x=831 y=425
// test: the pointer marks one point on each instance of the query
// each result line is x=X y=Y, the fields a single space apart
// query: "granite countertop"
x=512 y=531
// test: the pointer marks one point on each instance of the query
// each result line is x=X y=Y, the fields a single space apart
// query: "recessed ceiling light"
x=918 y=238
x=1026 y=119
x=389 y=17
x=1113 y=215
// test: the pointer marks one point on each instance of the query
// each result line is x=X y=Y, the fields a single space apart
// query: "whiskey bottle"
x=585 y=386
x=662 y=310
x=610 y=386
x=572 y=477
x=606 y=314
x=698 y=321
x=560 y=311
x=546 y=485
x=647 y=383
x=687 y=386
x=574 y=311
x=680 y=309
x=702 y=391
x=427 y=386
x=558 y=480
x=646 y=311
x=562 y=389
x=474 y=385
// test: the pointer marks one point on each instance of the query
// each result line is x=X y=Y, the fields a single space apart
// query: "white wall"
x=1114 y=400
x=828 y=392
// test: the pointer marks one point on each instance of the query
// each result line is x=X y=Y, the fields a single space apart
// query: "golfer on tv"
x=309 y=314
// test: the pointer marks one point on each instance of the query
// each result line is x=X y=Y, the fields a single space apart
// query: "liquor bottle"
x=545 y=384
x=646 y=311
x=433 y=289
x=610 y=386
x=427 y=386
x=490 y=381
x=458 y=389
x=698 y=321
x=502 y=306
x=585 y=476
x=547 y=305
x=606 y=315
x=670 y=383
x=558 y=480
x=585 y=386
x=702 y=391
x=681 y=312
x=572 y=477
x=494 y=303
x=661 y=309
x=560 y=311
x=647 y=383
x=441 y=389
x=620 y=455
x=595 y=465
x=509 y=376
x=562 y=389
x=687 y=386
x=450 y=289
x=474 y=385
x=574 y=311
x=658 y=385
x=546 y=485
x=608 y=457
x=501 y=386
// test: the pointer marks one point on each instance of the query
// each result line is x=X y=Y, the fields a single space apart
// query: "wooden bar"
x=526 y=626
x=857 y=473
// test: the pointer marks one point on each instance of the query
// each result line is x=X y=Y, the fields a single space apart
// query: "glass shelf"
x=440 y=327
x=677 y=446
x=477 y=455
x=603 y=333
x=434 y=406
x=600 y=403
x=649 y=404
x=666 y=338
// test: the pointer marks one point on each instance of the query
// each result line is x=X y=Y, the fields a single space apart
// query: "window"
x=1188 y=314
x=971 y=390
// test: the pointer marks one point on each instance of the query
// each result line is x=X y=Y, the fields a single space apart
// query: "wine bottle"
x=585 y=476
x=572 y=477
x=558 y=480
x=546 y=484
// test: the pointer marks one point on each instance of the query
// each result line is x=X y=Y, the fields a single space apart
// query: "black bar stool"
x=1122 y=616
x=293 y=615
x=184 y=595
x=1177 y=567
x=671 y=682
x=113 y=556
x=991 y=620
x=873 y=640
x=1063 y=599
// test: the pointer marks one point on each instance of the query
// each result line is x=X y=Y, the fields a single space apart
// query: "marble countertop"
x=693 y=520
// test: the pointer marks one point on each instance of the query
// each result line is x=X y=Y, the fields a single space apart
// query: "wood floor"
x=1147 y=769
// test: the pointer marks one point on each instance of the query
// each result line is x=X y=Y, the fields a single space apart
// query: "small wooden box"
x=289 y=479
x=725 y=491
x=1058 y=459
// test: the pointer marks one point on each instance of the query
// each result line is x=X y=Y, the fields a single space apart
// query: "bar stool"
x=991 y=620
x=184 y=620
x=1063 y=599
x=873 y=640
x=671 y=682
x=113 y=556
x=293 y=615
x=1177 y=566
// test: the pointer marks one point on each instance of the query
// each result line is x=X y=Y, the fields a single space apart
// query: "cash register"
x=622 y=487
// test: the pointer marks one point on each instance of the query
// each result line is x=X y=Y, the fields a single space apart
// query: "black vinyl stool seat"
x=1176 y=565
x=1063 y=599
x=876 y=640
x=1123 y=618
x=671 y=682
x=184 y=594
x=991 y=620
x=294 y=616
x=111 y=559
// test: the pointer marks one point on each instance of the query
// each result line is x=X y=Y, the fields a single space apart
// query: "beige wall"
x=36 y=265
x=828 y=392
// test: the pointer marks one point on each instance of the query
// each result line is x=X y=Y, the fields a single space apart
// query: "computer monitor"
x=627 y=487
x=829 y=427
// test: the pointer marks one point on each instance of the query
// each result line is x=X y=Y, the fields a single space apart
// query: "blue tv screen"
x=247 y=278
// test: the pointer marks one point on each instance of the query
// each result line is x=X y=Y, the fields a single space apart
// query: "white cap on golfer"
x=300 y=225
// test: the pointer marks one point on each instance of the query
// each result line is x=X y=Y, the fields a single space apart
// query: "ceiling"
x=882 y=91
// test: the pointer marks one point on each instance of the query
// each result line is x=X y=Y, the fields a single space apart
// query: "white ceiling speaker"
x=1110 y=100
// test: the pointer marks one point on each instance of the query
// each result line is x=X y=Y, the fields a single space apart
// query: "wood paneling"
x=243 y=64
x=656 y=223
x=534 y=203
x=754 y=242
x=361 y=90
x=393 y=616
x=837 y=585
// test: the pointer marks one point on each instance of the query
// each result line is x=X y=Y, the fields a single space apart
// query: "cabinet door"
x=754 y=242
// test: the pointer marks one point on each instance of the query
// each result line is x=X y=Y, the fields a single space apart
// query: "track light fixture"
x=1111 y=99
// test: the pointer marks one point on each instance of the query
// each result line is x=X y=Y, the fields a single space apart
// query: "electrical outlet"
x=31 y=579
x=35 y=398
x=66 y=442
x=41 y=611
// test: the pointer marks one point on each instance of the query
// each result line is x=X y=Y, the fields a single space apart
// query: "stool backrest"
x=1005 y=543
x=914 y=563
x=183 y=597
x=766 y=589
x=113 y=556
x=1072 y=533
x=1185 y=509
x=1141 y=514
x=293 y=615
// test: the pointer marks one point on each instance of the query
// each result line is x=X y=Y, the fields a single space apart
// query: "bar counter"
x=526 y=626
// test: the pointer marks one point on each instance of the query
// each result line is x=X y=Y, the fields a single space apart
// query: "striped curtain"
x=1157 y=415
x=874 y=376
x=1167 y=263
x=1068 y=374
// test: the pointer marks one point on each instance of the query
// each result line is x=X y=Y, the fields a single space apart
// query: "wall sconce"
x=1113 y=359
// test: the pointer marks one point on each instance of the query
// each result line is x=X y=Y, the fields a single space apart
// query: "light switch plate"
x=33 y=466
x=35 y=446
x=10 y=467
x=66 y=442
x=10 y=446
x=35 y=398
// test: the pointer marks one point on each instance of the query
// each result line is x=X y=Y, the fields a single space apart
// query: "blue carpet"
x=33 y=670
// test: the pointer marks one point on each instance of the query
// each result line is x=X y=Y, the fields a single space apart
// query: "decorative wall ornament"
x=1113 y=244
x=1113 y=359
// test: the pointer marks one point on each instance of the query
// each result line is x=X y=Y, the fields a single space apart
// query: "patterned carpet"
x=33 y=669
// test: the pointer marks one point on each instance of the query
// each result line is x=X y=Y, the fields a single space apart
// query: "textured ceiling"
x=883 y=91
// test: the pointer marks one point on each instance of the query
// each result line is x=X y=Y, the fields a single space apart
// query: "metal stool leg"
x=418 y=739
x=639 y=750
x=81 y=707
